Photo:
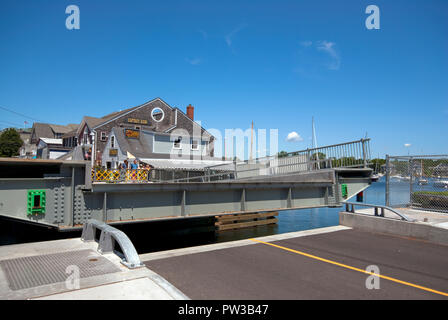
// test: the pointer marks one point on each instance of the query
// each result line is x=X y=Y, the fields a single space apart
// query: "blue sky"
x=277 y=63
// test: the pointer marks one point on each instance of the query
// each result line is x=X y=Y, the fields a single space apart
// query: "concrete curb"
x=418 y=230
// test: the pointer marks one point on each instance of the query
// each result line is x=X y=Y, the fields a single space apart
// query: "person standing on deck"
x=134 y=168
x=123 y=170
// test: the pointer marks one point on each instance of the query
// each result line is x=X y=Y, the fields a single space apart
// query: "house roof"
x=138 y=147
x=63 y=129
x=48 y=130
x=43 y=130
x=117 y=113
x=92 y=121
x=74 y=154
x=70 y=134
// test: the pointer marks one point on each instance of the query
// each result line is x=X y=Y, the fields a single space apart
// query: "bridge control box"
x=36 y=202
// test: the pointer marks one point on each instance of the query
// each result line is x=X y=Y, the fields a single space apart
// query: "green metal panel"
x=36 y=202
x=344 y=190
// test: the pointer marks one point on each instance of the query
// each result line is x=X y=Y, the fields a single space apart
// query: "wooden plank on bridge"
x=245 y=216
x=237 y=221
x=240 y=225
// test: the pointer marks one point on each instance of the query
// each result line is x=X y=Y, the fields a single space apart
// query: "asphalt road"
x=262 y=271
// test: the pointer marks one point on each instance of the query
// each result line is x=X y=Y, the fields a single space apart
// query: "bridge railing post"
x=387 y=180
x=364 y=152
x=109 y=236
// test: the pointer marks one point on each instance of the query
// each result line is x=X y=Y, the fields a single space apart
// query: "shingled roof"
x=138 y=147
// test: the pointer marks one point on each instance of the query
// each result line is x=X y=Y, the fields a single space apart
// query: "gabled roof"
x=70 y=134
x=138 y=147
x=91 y=123
x=63 y=129
x=43 y=130
x=48 y=130
x=114 y=115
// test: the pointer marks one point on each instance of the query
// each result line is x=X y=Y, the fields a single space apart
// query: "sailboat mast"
x=315 y=145
x=251 y=139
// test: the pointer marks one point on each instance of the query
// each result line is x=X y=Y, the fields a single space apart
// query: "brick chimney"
x=190 y=112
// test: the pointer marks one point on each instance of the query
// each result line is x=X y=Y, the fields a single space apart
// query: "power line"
x=11 y=123
x=17 y=113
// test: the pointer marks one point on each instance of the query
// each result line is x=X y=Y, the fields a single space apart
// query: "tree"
x=282 y=154
x=376 y=164
x=10 y=143
x=314 y=156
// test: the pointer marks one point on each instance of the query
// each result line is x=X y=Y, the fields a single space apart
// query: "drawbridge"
x=66 y=194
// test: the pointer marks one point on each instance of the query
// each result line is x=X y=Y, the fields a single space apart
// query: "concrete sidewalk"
x=436 y=219
x=47 y=270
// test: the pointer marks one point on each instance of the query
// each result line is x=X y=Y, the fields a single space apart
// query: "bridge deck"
x=263 y=271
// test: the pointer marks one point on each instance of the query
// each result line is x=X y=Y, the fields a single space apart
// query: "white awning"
x=185 y=164
x=51 y=141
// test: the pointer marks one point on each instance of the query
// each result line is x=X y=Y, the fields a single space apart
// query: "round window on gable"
x=157 y=114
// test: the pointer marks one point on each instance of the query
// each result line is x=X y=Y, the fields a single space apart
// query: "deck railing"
x=120 y=176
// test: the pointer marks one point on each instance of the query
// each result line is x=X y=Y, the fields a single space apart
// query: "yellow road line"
x=353 y=268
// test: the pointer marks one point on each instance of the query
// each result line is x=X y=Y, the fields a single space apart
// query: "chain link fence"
x=418 y=182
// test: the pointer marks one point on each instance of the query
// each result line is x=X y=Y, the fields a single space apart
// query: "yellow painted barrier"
x=119 y=176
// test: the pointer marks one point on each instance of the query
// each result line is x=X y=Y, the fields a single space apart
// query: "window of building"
x=137 y=127
x=103 y=136
x=194 y=144
x=112 y=142
x=85 y=137
x=177 y=143
x=157 y=114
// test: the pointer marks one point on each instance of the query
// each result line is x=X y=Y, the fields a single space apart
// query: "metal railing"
x=108 y=238
x=417 y=181
x=353 y=154
x=378 y=210
x=120 y=175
